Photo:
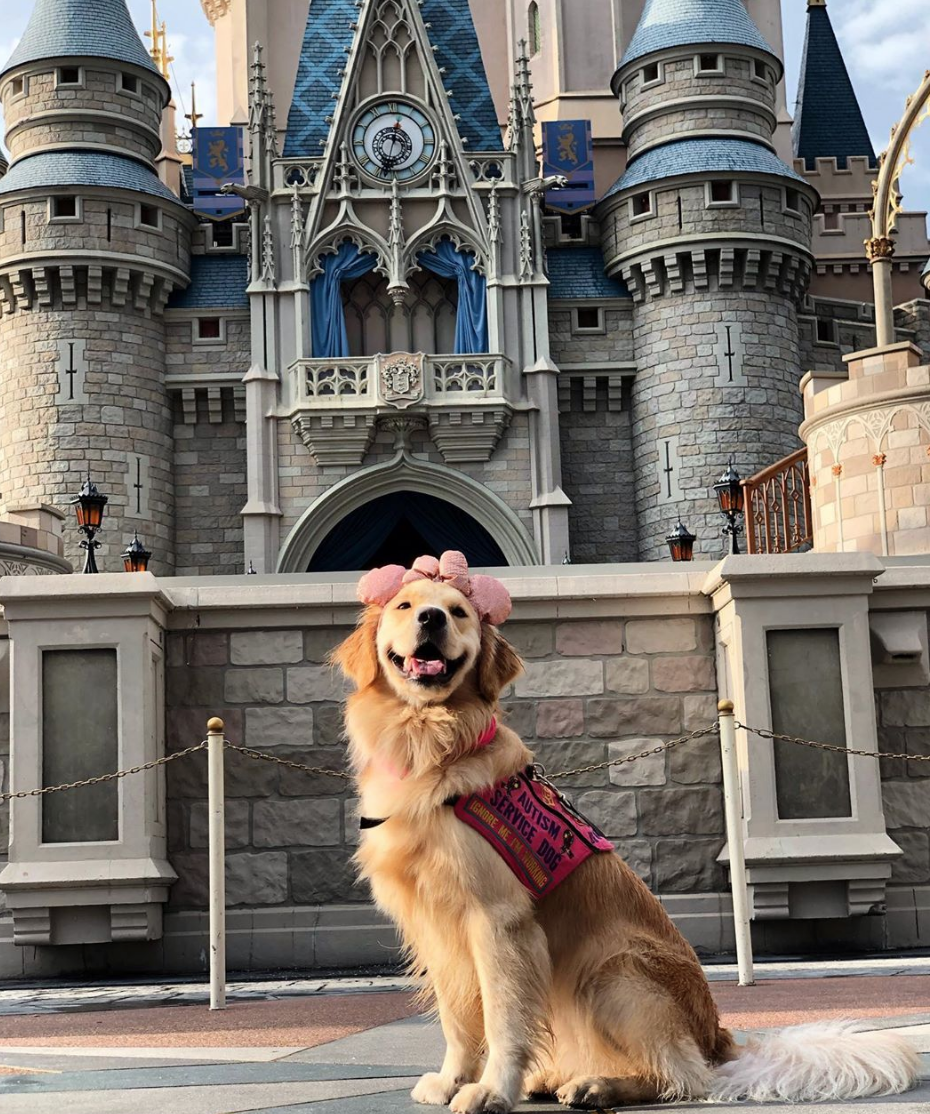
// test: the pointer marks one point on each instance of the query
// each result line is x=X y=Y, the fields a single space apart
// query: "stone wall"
x=211 y=486
x=597 y=473
x=302 y=481
x=592 y=691
x=904 y=728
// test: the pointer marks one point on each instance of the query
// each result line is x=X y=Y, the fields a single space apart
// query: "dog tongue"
x=422 y=668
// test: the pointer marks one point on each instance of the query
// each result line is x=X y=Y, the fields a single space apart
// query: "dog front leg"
x=512 y=960
x=462 y=1028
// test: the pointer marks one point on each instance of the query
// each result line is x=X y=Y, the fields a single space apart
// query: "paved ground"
x=352 y=1046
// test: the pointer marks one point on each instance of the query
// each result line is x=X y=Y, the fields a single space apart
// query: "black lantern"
x=681 y=543
x=88 y=508
x=732 y=498
x=137 y=557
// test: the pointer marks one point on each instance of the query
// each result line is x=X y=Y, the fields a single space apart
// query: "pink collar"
x=483 y=742
x=488 y=736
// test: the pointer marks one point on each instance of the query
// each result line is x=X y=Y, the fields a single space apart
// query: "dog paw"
x=434 y=1090
x=478 y=1099
x=592 y=1093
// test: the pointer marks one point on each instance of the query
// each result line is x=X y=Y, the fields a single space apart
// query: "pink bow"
x=488 y=595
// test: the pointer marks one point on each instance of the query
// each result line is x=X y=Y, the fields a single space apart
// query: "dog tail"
x=818 y=1062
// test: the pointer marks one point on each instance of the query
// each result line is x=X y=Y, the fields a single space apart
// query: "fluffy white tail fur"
x=817 y=1062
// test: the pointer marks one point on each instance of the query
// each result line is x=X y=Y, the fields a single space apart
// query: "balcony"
x=466 y=402
x=778 y=507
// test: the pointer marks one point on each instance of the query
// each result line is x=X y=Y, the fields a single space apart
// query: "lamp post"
x=88 y=508
x=681 y=543
x=731 y=497
x=137 y=557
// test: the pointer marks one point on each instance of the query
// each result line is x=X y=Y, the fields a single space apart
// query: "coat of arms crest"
x=401 y=378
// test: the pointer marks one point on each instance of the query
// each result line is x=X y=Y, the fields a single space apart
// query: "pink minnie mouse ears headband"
x=487 y=595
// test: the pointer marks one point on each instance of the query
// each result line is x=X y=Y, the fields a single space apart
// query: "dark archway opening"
x=398 y=528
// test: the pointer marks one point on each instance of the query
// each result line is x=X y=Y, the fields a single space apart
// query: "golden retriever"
x=590 y=993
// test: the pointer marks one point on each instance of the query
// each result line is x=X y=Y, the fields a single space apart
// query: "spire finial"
x=159 y=37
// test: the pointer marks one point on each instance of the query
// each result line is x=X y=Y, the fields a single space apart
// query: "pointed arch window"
x=535 y=29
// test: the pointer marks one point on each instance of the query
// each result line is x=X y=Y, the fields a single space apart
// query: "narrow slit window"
x=129 y=83
x=589 y=319
x=793 y=201
x=19 y=86
x=535 y=28
x=651 y=73
x=826 y=330
x=69 y=75
x=209 y=328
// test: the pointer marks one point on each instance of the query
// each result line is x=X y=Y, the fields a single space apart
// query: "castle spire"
x=828 y=122
x=76 y=29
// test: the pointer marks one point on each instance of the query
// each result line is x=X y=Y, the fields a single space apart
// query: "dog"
x=586 y=991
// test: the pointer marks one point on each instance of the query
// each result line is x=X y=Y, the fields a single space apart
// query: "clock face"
x=394 y=140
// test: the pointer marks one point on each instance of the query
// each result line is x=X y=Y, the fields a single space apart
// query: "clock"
x=394 y=140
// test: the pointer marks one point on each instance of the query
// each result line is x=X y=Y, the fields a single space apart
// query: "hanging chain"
x=261 y=756
x=700 y=734
x=104 y=777
x=322 y=771
x=762 y=733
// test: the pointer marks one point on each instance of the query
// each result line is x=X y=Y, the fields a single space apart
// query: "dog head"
x=428 y=633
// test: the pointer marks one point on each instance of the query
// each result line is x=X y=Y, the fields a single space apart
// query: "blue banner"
x=568 y=150
x=219 y=158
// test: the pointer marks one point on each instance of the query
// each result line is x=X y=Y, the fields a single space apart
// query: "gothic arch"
x=331 y=240
x=427 y=239
x=404 y=473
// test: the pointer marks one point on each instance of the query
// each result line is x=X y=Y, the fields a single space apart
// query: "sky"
x=886 y=44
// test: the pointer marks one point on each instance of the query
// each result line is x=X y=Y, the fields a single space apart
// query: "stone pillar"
x=87 y=698
x=815 y=838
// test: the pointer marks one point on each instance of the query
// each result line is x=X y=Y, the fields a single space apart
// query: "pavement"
x=355 y=1045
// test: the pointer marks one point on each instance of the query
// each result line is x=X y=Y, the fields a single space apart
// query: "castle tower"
x=711 y=233
x=92 y=244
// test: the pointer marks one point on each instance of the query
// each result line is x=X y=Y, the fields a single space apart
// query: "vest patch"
x=534 y=829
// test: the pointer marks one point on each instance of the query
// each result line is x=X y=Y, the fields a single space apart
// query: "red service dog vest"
x=534 y=829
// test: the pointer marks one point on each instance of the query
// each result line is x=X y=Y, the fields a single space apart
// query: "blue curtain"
x=471 y=326
x=330 y=339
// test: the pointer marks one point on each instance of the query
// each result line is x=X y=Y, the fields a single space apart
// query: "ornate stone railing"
x=465 y=401
x=778 y=507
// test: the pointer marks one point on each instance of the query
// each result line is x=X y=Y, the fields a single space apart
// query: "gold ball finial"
x=726 y=707
x=215 y=726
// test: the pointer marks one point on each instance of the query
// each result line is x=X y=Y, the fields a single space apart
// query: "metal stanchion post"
x=734 y=810
x=216 y=745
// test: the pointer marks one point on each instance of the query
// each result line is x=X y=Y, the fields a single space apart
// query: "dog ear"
x=498 y=663
x=357 y=657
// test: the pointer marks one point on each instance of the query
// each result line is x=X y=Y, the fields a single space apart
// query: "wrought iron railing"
x=778 y=507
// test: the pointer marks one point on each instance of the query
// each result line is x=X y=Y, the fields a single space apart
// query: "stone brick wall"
x=593 y=691
x=46 y=448
x=302 y=481
x=211 y=488
x=598 y=476
x=904 y=728
x=594 y=350
x=752 y=101
x=676 y=394
x=26 y=120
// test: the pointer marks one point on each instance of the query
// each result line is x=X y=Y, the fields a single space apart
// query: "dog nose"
x=431 y=618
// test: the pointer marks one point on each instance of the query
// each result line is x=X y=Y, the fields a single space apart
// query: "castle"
x=441 y=354
x=498 y=278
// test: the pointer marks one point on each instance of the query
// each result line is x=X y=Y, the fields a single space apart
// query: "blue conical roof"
x=81 y=29
x=671 y=23
x=828 y=122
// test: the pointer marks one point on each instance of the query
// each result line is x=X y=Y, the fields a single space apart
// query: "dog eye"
x=460 y=612
x=403 y=607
